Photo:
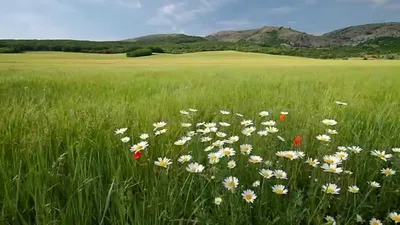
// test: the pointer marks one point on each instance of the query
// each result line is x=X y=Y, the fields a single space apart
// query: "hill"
x=171 y=38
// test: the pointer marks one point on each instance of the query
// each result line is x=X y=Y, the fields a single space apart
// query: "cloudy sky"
x=120 y=19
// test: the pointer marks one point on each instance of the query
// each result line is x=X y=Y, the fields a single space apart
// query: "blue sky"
x=120 y=19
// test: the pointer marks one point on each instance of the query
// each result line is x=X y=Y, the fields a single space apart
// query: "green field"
x=62 y=163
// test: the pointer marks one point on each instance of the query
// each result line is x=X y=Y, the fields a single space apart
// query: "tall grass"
x=61 y=163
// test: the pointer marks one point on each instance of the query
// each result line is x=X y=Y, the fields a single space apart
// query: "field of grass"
x=62 y=163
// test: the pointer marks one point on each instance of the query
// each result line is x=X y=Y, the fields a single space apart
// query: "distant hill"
x=174 y=38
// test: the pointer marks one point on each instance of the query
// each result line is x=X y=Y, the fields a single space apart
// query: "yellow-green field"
x=62 y=163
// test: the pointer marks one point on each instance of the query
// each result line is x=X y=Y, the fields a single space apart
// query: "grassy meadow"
x=62 y=163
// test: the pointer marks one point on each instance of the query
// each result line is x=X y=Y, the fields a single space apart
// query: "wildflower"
x=231 y=164
x=195 y=168
x=227 y=152
x=220 y=134
x=209 y=148
x=144 y=136
x=300 y=154
x=121 y=130
x=186 y=124
x=330 y=220
x=233 y=139
x=248 y=131
x=270 y=123
x=180 y=142
x=184 y=158
x=374 y=184
x=375 y=221
x=158 y=125
x=139 y=146
x=125 y=139
x=159 y=132
x=355 y=149
x=354 y=189
x=218 y=201
x=359 y=219
x=213 y=129
x=262 y=133
x=163 y=162
x=312 y=162
x=329 y=122
x=214 y=157
x=137 y=155
x=348 y=172
x=246 y=149
x=381 y=155
x=279 y=189
x=297 y=141
x=224 y=124
x=239 y=115
x=341 y=103
x=267 y=174
x=342 y=155
x=395 y=217
x=332 y=131
x=388 y=172
x=256 y=183
x=218 y=143
x=272 y=130
x=264 y=113
x=331 y=189
x=246 y=123
x=342 y=148
x=249 y=196
x=191 y=133
x=200 y=124
x=255 y=159
x=224 y=112
x=280 y=174
x=282 y=117
x=284 y=113
x=287 y=154
x=324 y=137
x=206 y=139
x=332 y=159
x=397 y=150
x=184 y=112
x=231 y=183
x=193 y=110
x=209 y=125
x=281 y=138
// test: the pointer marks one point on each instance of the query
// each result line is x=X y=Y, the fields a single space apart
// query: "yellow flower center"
x=330 y=161
x=163 y=163
x=227 y=152
x=231 y=184
x=248 y=197
x=279 y=191
x=375 y=223
x=388 y=172
x=396 y=218
x=382 y=156
x=332 y=170
x=289 y=156
x=139 y=147
x=330 y=191
x=245 y=149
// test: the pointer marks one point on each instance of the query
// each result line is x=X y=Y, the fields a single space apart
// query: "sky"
x=121 y=19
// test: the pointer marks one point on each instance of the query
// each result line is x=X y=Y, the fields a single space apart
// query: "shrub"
x=139 y=53
x=390 y=57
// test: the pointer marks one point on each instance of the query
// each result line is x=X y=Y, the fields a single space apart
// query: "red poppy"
x=297 y=141
x=282 y=117
x=137 y=154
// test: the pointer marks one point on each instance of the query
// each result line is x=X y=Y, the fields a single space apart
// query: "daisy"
x=121 y=130
x=231 y=183
x=231 y=164
x=300 y=154
x=158 y=125
x=284 y=113
x=374 y=221
x=272 y=130
x=193 y=110
x=312 y=162
x=255 y=159
x=209 y=148
x=206 y=139
x=256 y=183
x=209 y=125
x=218 y=143
x=246 y=123
x=342 y=155
x=359 y=219
x=280 y=174
x=264 y=113
x=287 y=154
x=159 y=132
x=224 y=124
x=397 y=150
x=184 y=158
x=267 y=174
x=330 y=220
x=139 y=146
x=388 y=172
x=262 y=133
x=355 y=149
x=279 y=189
x=245 y=149
x=324 y=137
x=163 y=162
x=249 y=196
x=332 y=159
x=200 y=124
x=395 y=217
x=184 y=112
x=233 y=139
x=191 y=133
x=186 y=124
x=180 y=142
x=332 y=131
x=248 y=131
x=195 y=168
x=214 y=157
x=270 y=123
x=381 y=155
x=374 y=184
x=348 y=172
x=354 y=189
x=213 y=129
x=221 y=134
x=125 y=139
x=342 y=148
x=239 y=115
x=224 y=112
x=329 y=122
x=144 y=136
x=227 y=152
x=218 y=201
x=341 y=103
x=331 y=189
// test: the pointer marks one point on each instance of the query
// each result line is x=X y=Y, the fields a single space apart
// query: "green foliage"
x=140 y=52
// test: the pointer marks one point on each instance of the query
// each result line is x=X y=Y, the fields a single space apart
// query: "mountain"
x=363 y=33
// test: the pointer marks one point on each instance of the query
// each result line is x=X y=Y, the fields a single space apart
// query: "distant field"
x=61 y=163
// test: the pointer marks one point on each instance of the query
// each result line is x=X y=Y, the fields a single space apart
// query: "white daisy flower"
x=246 y=123
x=224 y=112
x=184 y=158
x=280 y=174
x=267 y=174
x=214 y=157
x=262 y=133
x=264 y=113
x=272 y=130
x=231 y=183
x=221 y=134
x=186 y=124
x=354 y=149
x=125 y=139
x=256 y=183
x=279 y=189
x=332 y=159
x=395 y=217
x=284 y=113
x=332 y=189
x=270 y=123
x=329 y=122
x=324 y=137
x=374 y=184
x=248 y=131
x=213 y=129
x=218 y=201
x=121 y=131
x=342 y=148
x=227 y=152
x=312 y=162
x=232 y=139
x=159 y=132
x=354 y=189
x=397 y=150
x=331 y=168
x=218 y=143
x=375 y=221
x=231 y=164
x=206 y=139
x=341 y=103
x=195 y=168
x=209 y=148
x=163 y=162
x=209 y=125
x=191 y=133
x=184 y=112
x=330 y=220
x=180 y=142
x=200 y=124
x=139 y=146
x=193 y=110
x=158 y=125
x=246 y=149
x=144 y=136
x=249 y=196
x=342 y=155
x=381 y=154
x=332 y=131
x=287 y=154
x=224 y=124
x=255 y=159
x=388 y=172
x=239 y=115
